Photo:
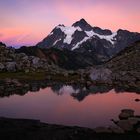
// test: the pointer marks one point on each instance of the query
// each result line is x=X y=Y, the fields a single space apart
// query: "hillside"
x=63 y=58
x=121 y=71
x=126 y=60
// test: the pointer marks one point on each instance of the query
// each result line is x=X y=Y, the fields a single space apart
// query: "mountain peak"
x=60 y=25
x=83 y=21
x=82 y=37
x=80 y=22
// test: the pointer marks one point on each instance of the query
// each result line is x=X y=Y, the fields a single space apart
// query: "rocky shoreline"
x=12 y=86
x=121 y=71
x=127 y=128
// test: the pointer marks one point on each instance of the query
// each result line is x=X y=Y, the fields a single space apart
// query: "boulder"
x=100 y=74
x=1 y=66
x=11 y=66
x=133 y=120
x=126 y=113
x=24 y=58
x=35 y=60
x=66 y=74
x=21 y=55
x=137 y=100
x=125 y=125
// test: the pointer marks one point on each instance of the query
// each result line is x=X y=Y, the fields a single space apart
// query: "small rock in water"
x=116 y=130
x=137 y=100
x=133 y=120
x=125 y=125
x=126 y=113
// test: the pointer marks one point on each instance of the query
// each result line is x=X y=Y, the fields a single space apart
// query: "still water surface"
x=65 y=107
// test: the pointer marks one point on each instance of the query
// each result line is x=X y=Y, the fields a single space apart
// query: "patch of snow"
x=56 y=41
x=79 y=43
x=67 y=90
x=68 y=31
x=91 y=34
x=106 y=37
x=51 y=34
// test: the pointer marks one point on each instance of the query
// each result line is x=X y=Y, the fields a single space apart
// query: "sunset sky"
x=26 y=22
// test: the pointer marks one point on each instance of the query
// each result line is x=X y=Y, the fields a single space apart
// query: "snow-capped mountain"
x=82 y=37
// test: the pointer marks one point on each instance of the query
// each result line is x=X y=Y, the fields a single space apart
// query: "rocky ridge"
x=123 y=70
x=63 y=58
x=11 y=61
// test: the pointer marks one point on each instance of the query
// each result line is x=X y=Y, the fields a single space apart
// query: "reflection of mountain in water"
x=80 y=91
x=77 y=91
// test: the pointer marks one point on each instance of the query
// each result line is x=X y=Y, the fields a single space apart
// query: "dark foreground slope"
x=125 y=67
x=23 y=129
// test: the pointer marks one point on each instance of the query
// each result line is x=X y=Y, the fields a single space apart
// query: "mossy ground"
x=22 y=75
x=39 y=76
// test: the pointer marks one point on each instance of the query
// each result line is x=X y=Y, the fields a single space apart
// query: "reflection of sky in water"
x=46 y=105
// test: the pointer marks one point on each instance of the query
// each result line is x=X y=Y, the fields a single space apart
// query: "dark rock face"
x=52 y=38
x=101 y=31
x=124 y=39
x=82 y=37
x=82 y=24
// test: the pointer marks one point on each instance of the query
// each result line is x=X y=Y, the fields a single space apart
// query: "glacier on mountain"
x=69 y=31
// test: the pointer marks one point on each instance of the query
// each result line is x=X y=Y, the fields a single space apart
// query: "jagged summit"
x=61 y=25
x=82 y=20
x=82 y=23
